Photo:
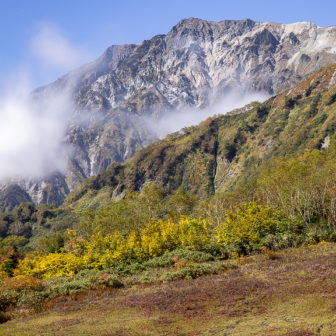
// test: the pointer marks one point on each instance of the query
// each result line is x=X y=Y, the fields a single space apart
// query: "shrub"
x=196 y=270
x=4 y=317
x=245 y=226
x=11 y=261
x=187 y=255
x=180 y=254
x=282 y=240
x=52 y=264
x=30 y=299
x=163 y=261
x=189 y=272
x=147 y=277
x=158 y=237
x=193 y=232
x=113 y=282
x=126 y=269
x=51 y=243
x=22 y=283
x=67 y=286
x=7 y=299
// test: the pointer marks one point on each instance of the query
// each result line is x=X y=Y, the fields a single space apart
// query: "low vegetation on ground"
x=285 y=293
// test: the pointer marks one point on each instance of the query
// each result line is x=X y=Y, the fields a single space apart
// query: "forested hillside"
x=226 y=152
x=203 y=201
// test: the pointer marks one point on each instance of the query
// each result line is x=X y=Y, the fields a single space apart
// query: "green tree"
x=11 y=261
x=303 y=186
x=180 y=203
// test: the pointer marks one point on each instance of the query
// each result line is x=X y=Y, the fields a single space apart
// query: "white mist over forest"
x=173 y=121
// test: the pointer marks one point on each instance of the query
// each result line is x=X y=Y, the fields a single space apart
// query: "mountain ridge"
x=194 y=65
x=223 y=157
x=225 y=152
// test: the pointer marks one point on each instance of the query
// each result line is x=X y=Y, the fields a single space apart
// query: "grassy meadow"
x=290 y=292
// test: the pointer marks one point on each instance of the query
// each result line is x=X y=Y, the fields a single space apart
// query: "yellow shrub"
x=52 y=264
x=246 y=224
x=193 y=232
x=152 y=242
x=170 y=234
x=104 y=251
x=116 y=249
x=3 y=274
x=75 y=244
x=161 y=236
x=158 y=237
x=134 y=244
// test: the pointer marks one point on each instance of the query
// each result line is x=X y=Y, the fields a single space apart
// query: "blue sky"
x=86 y=28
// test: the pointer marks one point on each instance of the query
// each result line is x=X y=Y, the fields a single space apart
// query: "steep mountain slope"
x=193 y=65
x=225 y=152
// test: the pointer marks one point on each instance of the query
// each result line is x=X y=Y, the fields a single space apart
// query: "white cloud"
x=53 y=49
x=32 y=134
x=32 y=130
x=175 y=120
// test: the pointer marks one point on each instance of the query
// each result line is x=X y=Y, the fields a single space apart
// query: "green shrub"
x=281 y=241
x=147 y=277
x=189 y=272
x=67 y=286
x=165 y=260
x=31 y=299
x=86 y=272
x=8 y=299
x=113 y=282
x=319 y=234
x=181 y=255
x=127 y=269
x=187 y=255
x=216 y=250
x=4 y=317
x=11 y=261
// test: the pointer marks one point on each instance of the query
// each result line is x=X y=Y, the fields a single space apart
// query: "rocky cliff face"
x=224 y=153
x=193 y=65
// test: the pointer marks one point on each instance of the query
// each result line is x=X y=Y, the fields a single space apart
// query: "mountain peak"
x=193 y=66
x=197 y=24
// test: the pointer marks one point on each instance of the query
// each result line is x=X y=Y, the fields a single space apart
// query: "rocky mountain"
x=226 y=152
x=194 y=65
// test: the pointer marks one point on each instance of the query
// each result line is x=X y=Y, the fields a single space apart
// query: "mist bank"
x=32 y=133
x=34 y=122
x=172 y=121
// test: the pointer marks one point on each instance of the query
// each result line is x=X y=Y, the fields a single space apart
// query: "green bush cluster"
x=194 y=271
x=182 y=255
